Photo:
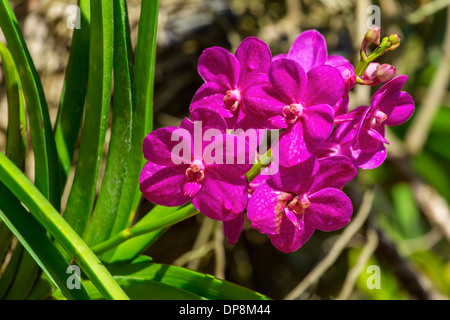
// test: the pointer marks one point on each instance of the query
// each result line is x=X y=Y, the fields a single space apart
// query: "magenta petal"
x=265 y=209
x=164 y=185
x=221 y=199
x=210 y=119
x=233 y=228
x=296 y=179
x=370 y=138
x=325 y=86
x=254 y=56
x=263 y=99
x=388 y=92
x=234 y=158
x=210 y=95
x=219 y=66
x=377 y=136
x=368 y=160
x=159 y=146
x=318 y=123
x=290 y=239
x=309 y=49
x=330 y=210
x=288 y=78
x=334 y=172
x=279 y=56
x=292 y=217
x=192 y=188
x=292 y=147
x=336 y=60
x=402 y=110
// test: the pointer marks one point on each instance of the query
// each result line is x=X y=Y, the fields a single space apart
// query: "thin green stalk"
x=17 y=124
x=51 y=220
x=148 y=226
x=107 y=205
x=82 y=195
x=73 y=97
x=46 y=159
x=143 y=110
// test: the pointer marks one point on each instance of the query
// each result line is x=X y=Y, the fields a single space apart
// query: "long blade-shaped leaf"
x=8 y=275
x=46 y=160
x=82 y=194
x=71 y=107
x=131 y=249
x=64 y=235
x=143 y=109
x=201 y=284
x=17 y=124
x=107 y=204
x=35 y=240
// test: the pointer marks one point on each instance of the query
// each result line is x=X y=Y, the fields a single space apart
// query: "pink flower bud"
x=369 y=78
x=371 y=36
x=385 y=72
x=394 y=39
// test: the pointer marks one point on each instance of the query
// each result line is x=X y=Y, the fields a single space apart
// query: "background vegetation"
x=401 y=219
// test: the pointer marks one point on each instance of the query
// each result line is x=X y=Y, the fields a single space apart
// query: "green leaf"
x=107 y=205
x=46 y=158
x=132 y=248
x=143 y=289
x=73 y=97
x=64 y=235
x=8 y=275
x=82 y=195
x=143 y=110
x=26 y=276
x=150 y=223
x=35 y=240
x=17 y=122
x=203 y=285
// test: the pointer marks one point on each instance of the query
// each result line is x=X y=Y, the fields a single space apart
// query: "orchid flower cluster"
x=304 y=94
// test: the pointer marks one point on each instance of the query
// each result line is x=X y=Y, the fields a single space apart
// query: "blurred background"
x=398 y=243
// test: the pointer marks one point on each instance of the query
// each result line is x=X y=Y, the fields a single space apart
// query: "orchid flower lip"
x=196 y=171
x=292 y=112
x=299 y=204
x=232 y=99
x=377 y=119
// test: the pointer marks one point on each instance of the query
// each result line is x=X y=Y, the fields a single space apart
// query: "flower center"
x=299 y=205
x=292 y=112
x=377 y=119
x=196 y=172
x=232 y=99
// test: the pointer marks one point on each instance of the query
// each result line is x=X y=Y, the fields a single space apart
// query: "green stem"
x=375 y=54
x=150 y=226
x=54 y=223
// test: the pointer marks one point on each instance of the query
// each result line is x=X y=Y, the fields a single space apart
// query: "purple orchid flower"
x=292 y=204
x=360 y=133
x=227 y=77
x=309 y=49
x=300 y=102
x=218 y=189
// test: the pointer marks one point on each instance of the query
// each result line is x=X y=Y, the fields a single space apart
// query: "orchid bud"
x=385 y=72
x=394 y=39
x=369 y=78
x=371 y=36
